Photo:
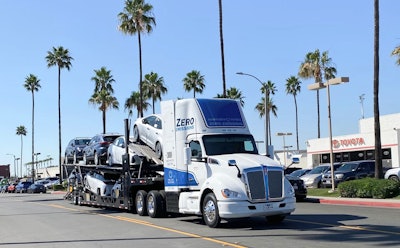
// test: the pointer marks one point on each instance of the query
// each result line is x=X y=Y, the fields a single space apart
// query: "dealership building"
x=359 y=146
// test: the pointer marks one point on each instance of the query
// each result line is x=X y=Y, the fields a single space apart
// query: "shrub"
x=369 y=188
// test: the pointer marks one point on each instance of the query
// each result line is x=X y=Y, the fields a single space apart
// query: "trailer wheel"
x=140 y=202
x=155 y=204
x=210 y=211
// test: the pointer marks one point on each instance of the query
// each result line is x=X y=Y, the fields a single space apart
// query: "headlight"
x=339 y=176
x=227 y=193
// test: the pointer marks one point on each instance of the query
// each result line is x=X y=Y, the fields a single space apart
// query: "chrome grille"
x=256 y=185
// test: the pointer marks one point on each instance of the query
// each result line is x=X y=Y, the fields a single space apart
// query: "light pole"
x=318 y=86
x=284 y=145
x=16 y=166
x=33 y=166
x=266 y=100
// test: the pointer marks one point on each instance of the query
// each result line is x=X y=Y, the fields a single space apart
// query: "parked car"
x=148 y=130
x=350 y=171
x=4 y=188
x=300 y=189
x=74 y=150
x=313 y=178
x=22 y=187
x=36 y=188
x=393 y=174
x=96 y=151
x=11 y=188
x=97 y=184
x=299 y=173
x=116 y=150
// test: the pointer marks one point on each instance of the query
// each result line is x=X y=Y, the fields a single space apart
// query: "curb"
x=384 y=203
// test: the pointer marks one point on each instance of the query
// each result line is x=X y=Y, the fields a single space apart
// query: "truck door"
x=198 y=169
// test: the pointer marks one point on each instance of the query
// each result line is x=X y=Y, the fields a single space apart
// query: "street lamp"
x=318 y=86
x=284 y=146
x=265 y=108
x=16 y=166
x=33 y=166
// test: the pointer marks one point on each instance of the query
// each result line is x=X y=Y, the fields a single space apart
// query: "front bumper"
x=229 y=210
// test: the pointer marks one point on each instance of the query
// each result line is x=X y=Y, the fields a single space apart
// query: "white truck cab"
x=212 y=167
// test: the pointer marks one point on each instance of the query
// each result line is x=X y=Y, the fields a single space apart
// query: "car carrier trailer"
x=210 y=167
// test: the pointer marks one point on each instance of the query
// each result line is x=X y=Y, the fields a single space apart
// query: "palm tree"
x=221 y=40
x=153 y=87
x=194 y=81
x=21 y=131
x=317 y=66
x=293 y=87
x=59 y=57
x=271 y=107
x=103 y=91
x=378 y=144
x=396 y=52
x=32 y=84
x=271 y=89
x=233 y=93
x=134 y=102
x=136 y=19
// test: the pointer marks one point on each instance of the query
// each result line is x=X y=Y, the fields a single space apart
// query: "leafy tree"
x=317 y=66
x=134 y=102
x=32 y=84
x=194 y=81
x=233 y=93
x=221 y=40
x=293 y=87
x=21 y=131
x=378 y=144
x=103 y=91
x=61 y=58
x=271 y=107
x=153 y=87
x=137 y=18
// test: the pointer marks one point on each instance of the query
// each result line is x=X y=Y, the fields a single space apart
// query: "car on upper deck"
x=148 y=130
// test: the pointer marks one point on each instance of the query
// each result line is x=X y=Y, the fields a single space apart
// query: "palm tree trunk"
x=33 y=134
x=22 y=144
x=59 y=123
x=140 y=73
x=378 y=148
x=297 y=124
x=221 y=38
x=319 y=117
x=104 y=120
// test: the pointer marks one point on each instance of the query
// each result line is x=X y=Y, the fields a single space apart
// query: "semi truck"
x=210 y=167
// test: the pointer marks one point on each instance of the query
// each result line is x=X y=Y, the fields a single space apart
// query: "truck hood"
x=246 y=160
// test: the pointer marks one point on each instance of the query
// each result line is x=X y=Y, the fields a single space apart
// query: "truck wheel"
x=210 y=211
x=140 y=202
x=275 y=219
x=155 y=204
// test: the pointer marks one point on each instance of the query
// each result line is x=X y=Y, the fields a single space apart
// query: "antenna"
x=362 y=105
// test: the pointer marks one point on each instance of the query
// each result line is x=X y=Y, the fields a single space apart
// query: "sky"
x=267 y=39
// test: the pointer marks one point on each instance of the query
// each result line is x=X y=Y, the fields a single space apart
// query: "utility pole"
x=362 y=105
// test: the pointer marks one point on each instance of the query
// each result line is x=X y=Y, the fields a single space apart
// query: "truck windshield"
x=229 y=143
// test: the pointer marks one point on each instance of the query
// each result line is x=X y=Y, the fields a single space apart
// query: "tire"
x=394 y=178
x=155 y=204
x=96 y=159
x=136 y=137
x=140 y=203
x=85 y=162
x=275 y=219
x=158 y=150
x=210 y=211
